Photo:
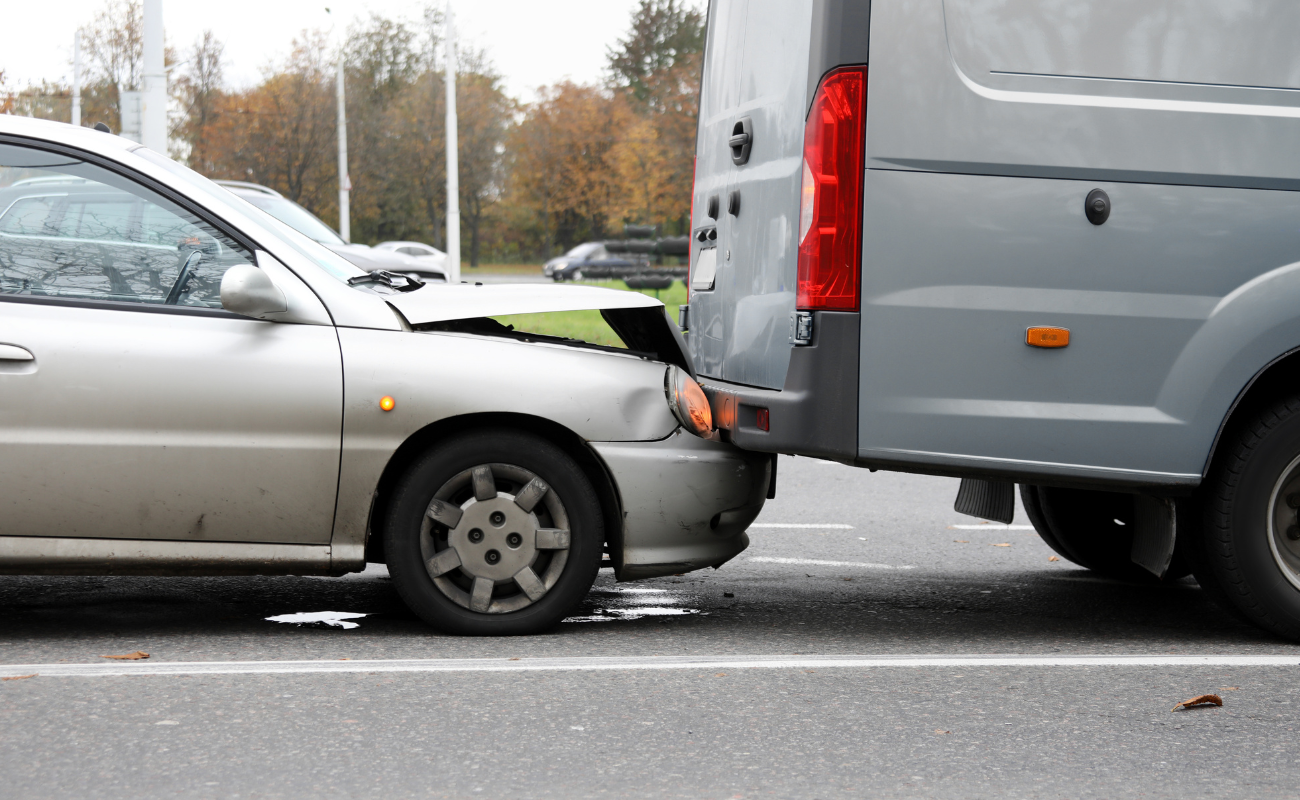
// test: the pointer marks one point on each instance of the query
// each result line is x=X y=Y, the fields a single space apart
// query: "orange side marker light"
x=1047 y=337
x=387 y=403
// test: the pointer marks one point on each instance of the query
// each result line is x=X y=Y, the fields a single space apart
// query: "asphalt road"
x=882 y=574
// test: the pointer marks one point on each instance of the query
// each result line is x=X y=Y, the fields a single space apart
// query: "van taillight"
x=830 y=202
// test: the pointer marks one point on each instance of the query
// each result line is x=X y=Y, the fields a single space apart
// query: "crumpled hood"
x=439 y=303
x=639 y=320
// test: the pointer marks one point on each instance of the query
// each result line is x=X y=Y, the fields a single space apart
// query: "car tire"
x=1247 y=560
x=494 y=533
x=1029 y=498
x=1092 y=529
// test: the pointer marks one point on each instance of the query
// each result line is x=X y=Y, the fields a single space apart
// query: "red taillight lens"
x=830 y=208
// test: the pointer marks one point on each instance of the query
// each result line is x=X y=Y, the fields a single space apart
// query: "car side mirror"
x=249 y=291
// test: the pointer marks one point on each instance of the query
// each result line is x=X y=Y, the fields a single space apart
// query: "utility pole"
x=153 y=123
x=345 y=183
x=76 y=79
x=453 y=157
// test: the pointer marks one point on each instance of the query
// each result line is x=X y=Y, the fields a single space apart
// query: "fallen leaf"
x=1053 y=558
x=1003 y=544
x=20 y=677
x=720 y=675
x=940 y=731
x=1201 y=700
x=848 y=579
x=513 y=659
x=962 y=541
x=136 y=656
x=810 y=670
x=1229 y=688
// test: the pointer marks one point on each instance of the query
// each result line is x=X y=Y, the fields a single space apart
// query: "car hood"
x=639 y=320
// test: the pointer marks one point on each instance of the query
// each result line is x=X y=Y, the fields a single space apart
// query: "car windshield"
x=295 y=216
x=583 y=250
x=332 y=263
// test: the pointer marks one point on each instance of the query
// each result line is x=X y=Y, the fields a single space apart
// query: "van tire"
x=447 y=597
x=1236 y=562
x=1084 y=526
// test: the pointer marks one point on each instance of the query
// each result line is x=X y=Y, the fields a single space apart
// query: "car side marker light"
x=1047 y=337
x=387 y=403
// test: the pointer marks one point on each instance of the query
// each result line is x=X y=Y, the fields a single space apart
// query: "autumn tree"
x=562 y=164
x=657 y=69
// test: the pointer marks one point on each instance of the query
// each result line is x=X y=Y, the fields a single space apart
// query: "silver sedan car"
x=190 y=387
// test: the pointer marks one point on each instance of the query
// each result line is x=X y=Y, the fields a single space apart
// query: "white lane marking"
x=634 y=663
x=817 y=562
x=839 y=526
x=991 y=527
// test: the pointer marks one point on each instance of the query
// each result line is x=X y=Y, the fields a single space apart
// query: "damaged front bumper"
x=686 y=503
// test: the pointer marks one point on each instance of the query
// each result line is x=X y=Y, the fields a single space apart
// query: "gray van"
x=1034 y=242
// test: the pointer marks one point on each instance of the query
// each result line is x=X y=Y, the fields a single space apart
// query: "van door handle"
x=12 y=352
x=739 y=140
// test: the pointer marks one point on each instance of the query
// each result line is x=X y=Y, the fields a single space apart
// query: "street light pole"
x=153 y=125
x=345 y=183
x=76 y=79
x=453 y=159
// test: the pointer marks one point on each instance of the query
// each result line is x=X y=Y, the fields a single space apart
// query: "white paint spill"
x=839 y=526
x=636 y=612
x=817 y=562
x=990 y=526
x=336 y=619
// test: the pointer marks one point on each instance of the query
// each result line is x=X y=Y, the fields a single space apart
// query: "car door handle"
x=12 y=352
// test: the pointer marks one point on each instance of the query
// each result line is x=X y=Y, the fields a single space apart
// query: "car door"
x=131 y=405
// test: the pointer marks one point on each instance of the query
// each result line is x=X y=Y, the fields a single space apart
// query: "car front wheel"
x=494 y=533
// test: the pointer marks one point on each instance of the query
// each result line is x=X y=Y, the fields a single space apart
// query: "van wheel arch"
x=1278 y=379
x=429 y=436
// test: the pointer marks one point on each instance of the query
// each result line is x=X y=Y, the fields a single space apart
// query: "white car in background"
x=190 y=387
x=310 y=225
x=426 y=253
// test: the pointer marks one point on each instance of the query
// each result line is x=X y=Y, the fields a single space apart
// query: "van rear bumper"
x=815 y=413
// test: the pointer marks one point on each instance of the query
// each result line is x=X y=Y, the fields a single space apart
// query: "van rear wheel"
x=1092 y=529
x=1249 y=554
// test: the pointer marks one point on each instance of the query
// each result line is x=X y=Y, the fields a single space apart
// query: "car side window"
x=72 y=229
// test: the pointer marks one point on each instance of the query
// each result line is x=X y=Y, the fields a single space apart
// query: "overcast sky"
x=531 y=42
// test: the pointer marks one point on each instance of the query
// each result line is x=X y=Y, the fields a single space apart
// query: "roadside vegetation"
x=589 y=326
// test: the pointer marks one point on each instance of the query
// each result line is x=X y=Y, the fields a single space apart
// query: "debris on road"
x=1001 y=544
x=962 y=541
x=1053 y=558
x=20 y=677
x=941 y=731
x=136 y=656
x=333 y=619
x=1201 y=700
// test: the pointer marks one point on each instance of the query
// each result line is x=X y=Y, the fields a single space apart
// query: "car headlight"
x=688 y=402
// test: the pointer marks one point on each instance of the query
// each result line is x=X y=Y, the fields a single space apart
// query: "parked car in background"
x=569 y=266
x=425 y=255
x=191 y=387
x=1019 y=242
x=310 y=225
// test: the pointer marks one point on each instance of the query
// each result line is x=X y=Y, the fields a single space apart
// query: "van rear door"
x=754 y=95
